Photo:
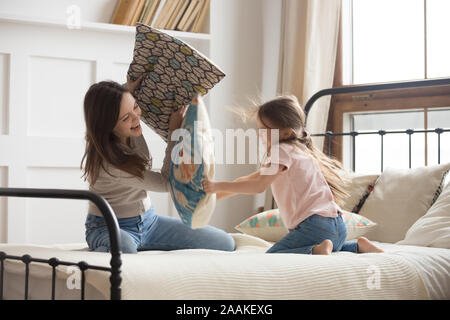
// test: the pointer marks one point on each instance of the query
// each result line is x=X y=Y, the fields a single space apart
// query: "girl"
x=117 y=165
x=305 y=183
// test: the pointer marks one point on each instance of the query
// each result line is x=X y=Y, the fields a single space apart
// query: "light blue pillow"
x=192 y=159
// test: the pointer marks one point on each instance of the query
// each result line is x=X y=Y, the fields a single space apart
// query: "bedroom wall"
x=50 y=69
x=244 y=42
x=3 y=212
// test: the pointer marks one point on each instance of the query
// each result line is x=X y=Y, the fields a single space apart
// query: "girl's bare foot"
x=325 y=247
x=365 y=246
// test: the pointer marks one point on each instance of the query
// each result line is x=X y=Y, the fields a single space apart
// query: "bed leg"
x=2 y=266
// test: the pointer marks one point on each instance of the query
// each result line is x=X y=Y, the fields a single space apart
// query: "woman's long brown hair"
x=101 y=112
x=285 y=112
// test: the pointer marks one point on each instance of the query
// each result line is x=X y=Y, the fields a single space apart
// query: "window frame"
x=389 y=100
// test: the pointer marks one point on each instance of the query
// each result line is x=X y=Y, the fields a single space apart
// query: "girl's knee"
x=274 y=249
x=270 y=250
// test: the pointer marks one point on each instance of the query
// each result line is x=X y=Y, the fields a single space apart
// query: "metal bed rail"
x=114 y=236
x=375 y=87
x=378 y=87
x=329 y=135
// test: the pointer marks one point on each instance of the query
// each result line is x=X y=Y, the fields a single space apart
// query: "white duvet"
x=402 y=272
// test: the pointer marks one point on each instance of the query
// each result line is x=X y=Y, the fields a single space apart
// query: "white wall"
x=245 y=44
x=3 y=208
x=49 y=71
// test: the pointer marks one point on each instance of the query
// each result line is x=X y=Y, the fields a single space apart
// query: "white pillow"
x=433 y=229
x=400 y=198
x=359 y=186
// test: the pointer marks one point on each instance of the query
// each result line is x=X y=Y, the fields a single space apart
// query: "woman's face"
x=128 y=124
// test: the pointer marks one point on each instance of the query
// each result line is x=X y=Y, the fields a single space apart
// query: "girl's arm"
x=258 y=183
x=223 y=194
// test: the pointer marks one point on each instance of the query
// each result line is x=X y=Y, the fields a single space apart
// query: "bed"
x=402 y=272
x=71 y=271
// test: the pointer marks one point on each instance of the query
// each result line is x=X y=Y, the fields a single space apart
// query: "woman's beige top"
x=126 y=193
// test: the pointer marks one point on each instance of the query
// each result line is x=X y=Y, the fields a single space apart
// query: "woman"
x=117 y=165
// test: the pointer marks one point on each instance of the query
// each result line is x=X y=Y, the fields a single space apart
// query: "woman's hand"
x=209 y=186
x=132 y=85
x=176 y=118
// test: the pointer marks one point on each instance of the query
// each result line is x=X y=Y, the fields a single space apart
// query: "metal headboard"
x=378 y=87
x=114 y=236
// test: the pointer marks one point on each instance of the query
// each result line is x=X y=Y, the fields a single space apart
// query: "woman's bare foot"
x=365 y=246
x=325 y=247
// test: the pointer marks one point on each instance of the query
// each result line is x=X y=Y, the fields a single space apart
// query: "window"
x=391 y=41
x=424 y=146
x=395 y=40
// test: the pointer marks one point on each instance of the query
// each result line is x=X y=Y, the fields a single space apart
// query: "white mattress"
x=402 y=272
x=433 y=265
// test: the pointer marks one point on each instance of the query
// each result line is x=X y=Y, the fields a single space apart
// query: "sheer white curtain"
x=309 y=41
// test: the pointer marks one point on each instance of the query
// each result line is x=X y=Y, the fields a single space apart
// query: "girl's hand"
x=132 y=85
x=209 y=186
x=176 y=118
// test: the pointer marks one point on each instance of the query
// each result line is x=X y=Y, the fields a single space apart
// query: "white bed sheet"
x=433 y=265
x=406 y=272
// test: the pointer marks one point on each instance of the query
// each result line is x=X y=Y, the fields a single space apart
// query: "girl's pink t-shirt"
x=300 y=190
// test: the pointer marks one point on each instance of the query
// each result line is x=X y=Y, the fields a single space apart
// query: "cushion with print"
x=192 y=160
x=269 y=226
x=173 y=74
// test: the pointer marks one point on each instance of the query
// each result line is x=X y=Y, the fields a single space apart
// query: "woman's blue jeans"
x=311 y=232
x=150 y=231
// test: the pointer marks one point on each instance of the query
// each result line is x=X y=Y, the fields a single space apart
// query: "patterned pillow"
x=268 y=225
x=192 y=159
x=174 y=73
x=357 y=225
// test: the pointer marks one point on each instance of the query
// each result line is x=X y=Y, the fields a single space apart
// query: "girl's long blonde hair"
x=285 y=112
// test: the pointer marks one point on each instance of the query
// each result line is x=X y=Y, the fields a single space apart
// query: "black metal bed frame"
x=111 y=220
x=379 y=87
x=114 y=236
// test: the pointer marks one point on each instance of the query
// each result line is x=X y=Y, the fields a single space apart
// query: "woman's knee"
x=127 y=244
x=219 y=240
x=98 y=240
x=228 y=243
